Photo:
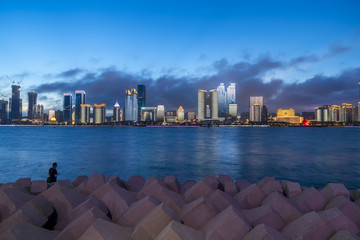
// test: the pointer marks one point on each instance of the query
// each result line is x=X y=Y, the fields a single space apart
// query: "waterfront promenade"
x=215 y=207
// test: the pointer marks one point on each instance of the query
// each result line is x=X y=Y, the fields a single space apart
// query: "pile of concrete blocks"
x=216 y=207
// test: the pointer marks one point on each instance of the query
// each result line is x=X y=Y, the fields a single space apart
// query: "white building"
x=160 y=113
x=222 y=100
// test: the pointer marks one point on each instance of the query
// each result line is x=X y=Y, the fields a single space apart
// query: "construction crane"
x=19 y=82
x=12 y=81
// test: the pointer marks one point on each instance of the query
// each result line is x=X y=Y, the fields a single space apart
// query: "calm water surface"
x=312 y=156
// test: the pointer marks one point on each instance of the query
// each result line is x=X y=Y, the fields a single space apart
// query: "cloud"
x=336 y=48
x=109 y=84
x=70 y=73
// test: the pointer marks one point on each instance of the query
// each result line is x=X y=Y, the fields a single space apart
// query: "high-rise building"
x=32 y=96
x=347 y=113
x=180 y=114
x=231 y=93
x=51 y=116
x=131 y=105
x=334 y=113
x=3 y=111
x=80 y=97
x=141 y=99
x=322 y=113
x=85 y=113
x=233 y=109
x=15 y=103
x=148 y=114
x=67 y=109
x=214 y=107
x=358 y=112
x=208 y=107
x=222 y=100
x=128 y=105
x=99 y=113
x=190 y=116
x=160 y=113
x=201 y=104
x=59 y=116
x=135 y=105
x=38 y=112
x=257 y=113
x=116 y=112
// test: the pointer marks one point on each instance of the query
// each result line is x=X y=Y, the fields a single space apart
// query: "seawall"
x=216 y=207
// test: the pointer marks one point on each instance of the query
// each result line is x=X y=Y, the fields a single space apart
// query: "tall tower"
x=32 y=96
x=116 y=112
x=256 y=104
x=15 y=102
x=222 y=100
x=230 y=94
x=128 y=106
x=201 y=104
x=214 y=108
x=135 y=105
x=99 y=113
x=79 y=99
x=160 y=113
x=3 y=110
x=141 y=99
x=67 y=109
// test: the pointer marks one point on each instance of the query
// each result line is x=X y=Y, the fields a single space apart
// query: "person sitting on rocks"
x=53 y=173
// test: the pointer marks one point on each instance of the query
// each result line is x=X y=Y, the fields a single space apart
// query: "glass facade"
x=79 y=99
x=32 y=97
x=67 y=107
x=15 y=103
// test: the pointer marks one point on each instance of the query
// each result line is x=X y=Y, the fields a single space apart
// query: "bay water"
x=311 y=156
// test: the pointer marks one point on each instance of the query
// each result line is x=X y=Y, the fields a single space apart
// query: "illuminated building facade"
x=85 y=113
x=116 y=112
x=15 y=103
x=334 y=113
x=67 y=107
x=208 y=106
x=32 y=97
x=322 y=113
x=222 y=102
x=180 y=114
x=233 y=109
x=99 y=113
x=141 y=99
x=148 y=114
x=160 y=113
x=258 y=111
x=80 y=96
x=131 y=105
x=231 y=93
x=347 y=113
x=51 y=116
x=288 y=115
x=38 y=112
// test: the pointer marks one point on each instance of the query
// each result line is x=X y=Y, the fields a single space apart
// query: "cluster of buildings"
x=214 y=105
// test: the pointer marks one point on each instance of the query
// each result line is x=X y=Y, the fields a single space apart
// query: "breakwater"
x=215 y=207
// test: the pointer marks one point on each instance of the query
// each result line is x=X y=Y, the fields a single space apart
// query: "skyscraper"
x=131 y=105
x=160 y=113
x=99 y=113
x=233 y=109
x=128 y=105
x=3 y=111
x=51 y=115
x=135 y=105
x=222 y=100
x=214 y=108
x=201 y=104
x=141 y=99
x=38 y=112
x=80 y=96
x=15 y=102
x=230 y=94
x=116 y=112
x=256 y=109
x=67 y=109
x=85 y=113
x=32 y=96
x=180 y=114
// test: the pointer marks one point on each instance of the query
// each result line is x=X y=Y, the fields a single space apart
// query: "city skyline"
x=301 y=54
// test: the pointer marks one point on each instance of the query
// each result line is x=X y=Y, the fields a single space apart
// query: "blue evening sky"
x=183 y=38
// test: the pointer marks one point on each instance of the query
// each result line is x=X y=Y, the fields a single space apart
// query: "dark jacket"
x=52 y=174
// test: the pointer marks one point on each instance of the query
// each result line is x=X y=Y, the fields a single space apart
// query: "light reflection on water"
x=312 y=156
